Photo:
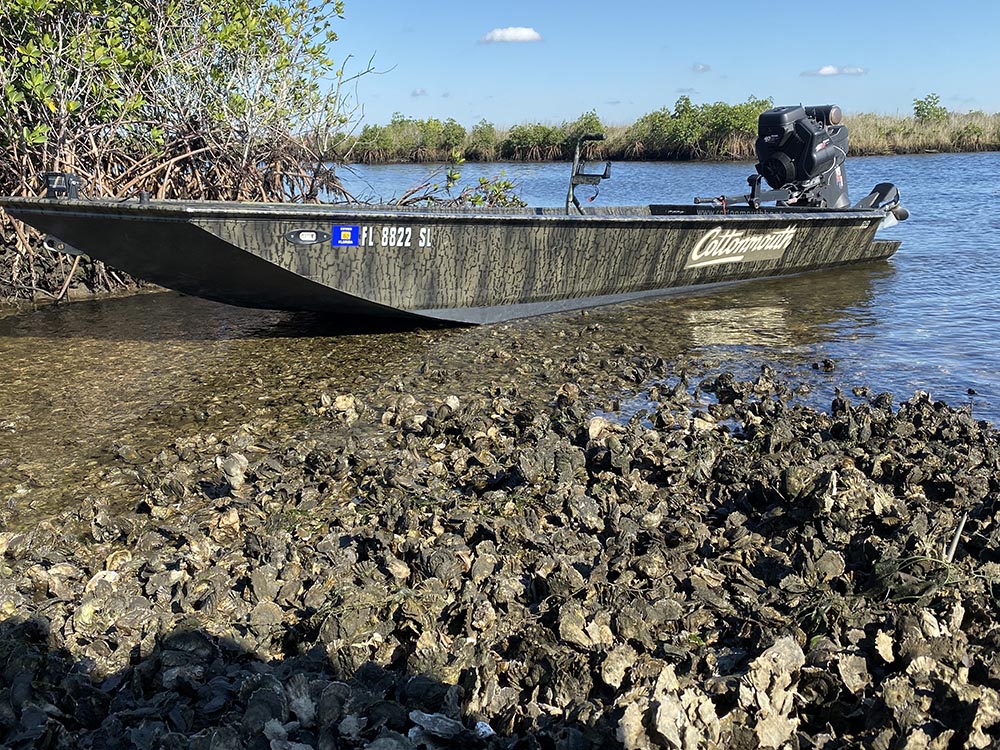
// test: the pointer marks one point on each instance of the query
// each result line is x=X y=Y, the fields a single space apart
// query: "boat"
x=477 y=265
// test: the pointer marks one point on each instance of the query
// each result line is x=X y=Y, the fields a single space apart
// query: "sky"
x=550 y=61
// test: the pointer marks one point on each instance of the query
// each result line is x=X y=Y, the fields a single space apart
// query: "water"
x=928 y=320
x=110 y=383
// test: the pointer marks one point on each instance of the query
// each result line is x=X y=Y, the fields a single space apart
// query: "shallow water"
x=928 y=319
x=90 y=384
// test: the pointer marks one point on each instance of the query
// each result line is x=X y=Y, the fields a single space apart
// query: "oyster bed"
x=725 y=568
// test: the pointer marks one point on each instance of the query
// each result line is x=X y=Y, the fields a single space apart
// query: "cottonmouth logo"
x=719 y=246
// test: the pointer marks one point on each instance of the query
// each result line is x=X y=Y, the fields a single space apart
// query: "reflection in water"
x=166 y=316
x=724 y=328
x=795 y=312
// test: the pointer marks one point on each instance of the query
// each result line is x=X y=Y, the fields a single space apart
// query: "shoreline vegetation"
x=710 y=132
x=203 y=101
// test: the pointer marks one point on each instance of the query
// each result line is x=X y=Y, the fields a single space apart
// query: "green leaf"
x=13 y=95
x=35 y=136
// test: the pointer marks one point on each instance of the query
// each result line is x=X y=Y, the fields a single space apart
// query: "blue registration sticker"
x=346 y=236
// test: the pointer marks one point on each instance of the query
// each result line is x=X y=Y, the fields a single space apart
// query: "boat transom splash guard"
x=481 y=265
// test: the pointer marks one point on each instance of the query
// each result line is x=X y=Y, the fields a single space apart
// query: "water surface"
x=90 y=385
x=928 y=319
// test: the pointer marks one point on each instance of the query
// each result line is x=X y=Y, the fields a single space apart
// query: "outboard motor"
x=803 y=149
x=801 y=152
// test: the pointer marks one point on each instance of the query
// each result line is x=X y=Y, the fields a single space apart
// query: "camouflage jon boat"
x=479 y=266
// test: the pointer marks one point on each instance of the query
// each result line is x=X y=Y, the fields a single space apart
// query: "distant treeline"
x=716 y=131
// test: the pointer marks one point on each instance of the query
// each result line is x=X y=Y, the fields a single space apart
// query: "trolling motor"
x=801 y=153
x=579 y=177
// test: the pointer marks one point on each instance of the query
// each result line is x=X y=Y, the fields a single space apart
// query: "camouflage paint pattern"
x=477 y=266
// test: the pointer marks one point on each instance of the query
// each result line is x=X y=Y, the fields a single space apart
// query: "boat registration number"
x=383 y=236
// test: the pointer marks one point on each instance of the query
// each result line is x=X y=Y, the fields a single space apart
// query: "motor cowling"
x=804 y=148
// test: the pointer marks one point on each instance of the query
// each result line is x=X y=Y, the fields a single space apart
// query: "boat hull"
x=456 y=266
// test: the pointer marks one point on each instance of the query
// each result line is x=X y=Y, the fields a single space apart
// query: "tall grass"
x=880 y=134
x=719 y=132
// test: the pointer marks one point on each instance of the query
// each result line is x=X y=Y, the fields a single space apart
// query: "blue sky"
x=629 y=58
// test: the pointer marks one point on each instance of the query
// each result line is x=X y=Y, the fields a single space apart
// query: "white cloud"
x=833 y=70
x=512 y=34
x=701 y=68
x=418 y=92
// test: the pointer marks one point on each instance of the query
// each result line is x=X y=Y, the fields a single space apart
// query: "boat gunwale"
x=201 y=210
